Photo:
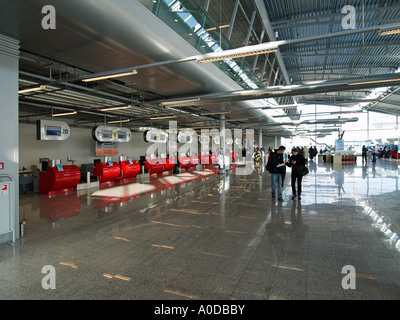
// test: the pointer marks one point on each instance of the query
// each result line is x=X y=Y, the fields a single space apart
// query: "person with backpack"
x=276 y=166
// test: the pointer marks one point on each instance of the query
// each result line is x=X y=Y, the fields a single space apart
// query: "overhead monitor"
x=111 y=134
x=155 y=136
x=52 y=130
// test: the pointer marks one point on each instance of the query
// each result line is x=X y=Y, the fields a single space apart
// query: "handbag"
x=302 y=170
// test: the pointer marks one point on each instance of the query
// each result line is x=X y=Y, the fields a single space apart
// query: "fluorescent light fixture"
x=220 y=27
x=65 y=114
x=169 y=103
x=258 y=93
x=42 y=87
x=233 y=56
x=281 y=107
x=388 y=32
x=120 y=121
x=214 y=113
x=268 y=47
x=373 y=82
x=161 y=118
x=116 y=108
x=109 y=76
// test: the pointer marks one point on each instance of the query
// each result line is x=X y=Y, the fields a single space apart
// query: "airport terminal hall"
x=217 y=153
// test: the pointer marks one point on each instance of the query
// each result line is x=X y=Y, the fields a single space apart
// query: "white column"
x=9 y=154
x=222 y=139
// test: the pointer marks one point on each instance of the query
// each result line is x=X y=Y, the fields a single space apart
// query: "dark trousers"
x=298 y=178
x=364 y=157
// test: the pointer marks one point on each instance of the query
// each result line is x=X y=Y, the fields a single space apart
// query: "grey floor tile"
x=194 y=247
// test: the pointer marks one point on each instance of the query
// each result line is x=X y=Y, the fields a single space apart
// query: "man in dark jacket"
x=277 y=166
x=364 y=154
x=296 y=160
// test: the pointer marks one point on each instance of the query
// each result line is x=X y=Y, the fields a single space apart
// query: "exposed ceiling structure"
x=316 y=61
x=349 y=56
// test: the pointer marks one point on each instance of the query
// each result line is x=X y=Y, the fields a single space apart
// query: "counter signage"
x=105 y=148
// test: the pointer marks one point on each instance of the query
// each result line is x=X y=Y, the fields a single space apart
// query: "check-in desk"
x=59 y=179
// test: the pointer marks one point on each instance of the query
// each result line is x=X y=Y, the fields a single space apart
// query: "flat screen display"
x=121 y=135
x=108 y=134
x=53 y=130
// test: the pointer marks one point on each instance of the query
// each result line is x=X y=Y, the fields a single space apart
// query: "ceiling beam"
x=354 y=84
x=293 y=21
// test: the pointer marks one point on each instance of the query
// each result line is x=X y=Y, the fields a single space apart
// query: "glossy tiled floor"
x=209 y=236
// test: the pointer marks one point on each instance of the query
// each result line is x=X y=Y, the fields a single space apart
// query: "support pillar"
x=222 y=140
x=9 y=145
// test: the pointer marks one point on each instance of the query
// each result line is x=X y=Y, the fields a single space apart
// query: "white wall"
x=80 y=146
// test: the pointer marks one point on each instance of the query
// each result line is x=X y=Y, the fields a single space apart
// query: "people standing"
x=364 y=154
x=307 y=152
x=373 y=155
x=296 y=161
x=313 y=153
x=276 y=168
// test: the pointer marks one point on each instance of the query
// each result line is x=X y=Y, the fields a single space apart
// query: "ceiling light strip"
x=120 y=121
x=372 y=82
x=40 y=88
x=116 y=108
x=109 y=76
x=234 y=56
x=258 y=93
x=169 y=103
x=388 y=32
x=65 y=114
x=161 y=118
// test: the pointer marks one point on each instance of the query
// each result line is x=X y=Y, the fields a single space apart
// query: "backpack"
x=268 y=166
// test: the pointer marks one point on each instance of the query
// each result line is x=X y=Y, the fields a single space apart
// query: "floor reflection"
x=214 y=193
x=217 y=236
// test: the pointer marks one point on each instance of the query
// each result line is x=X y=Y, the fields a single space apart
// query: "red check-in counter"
x=129 y=169
x=207 y=160
x=107 y=172
x=59 y=179
x=184 y=162
x=154 y=166
x=169 y=164
x=194 y=160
